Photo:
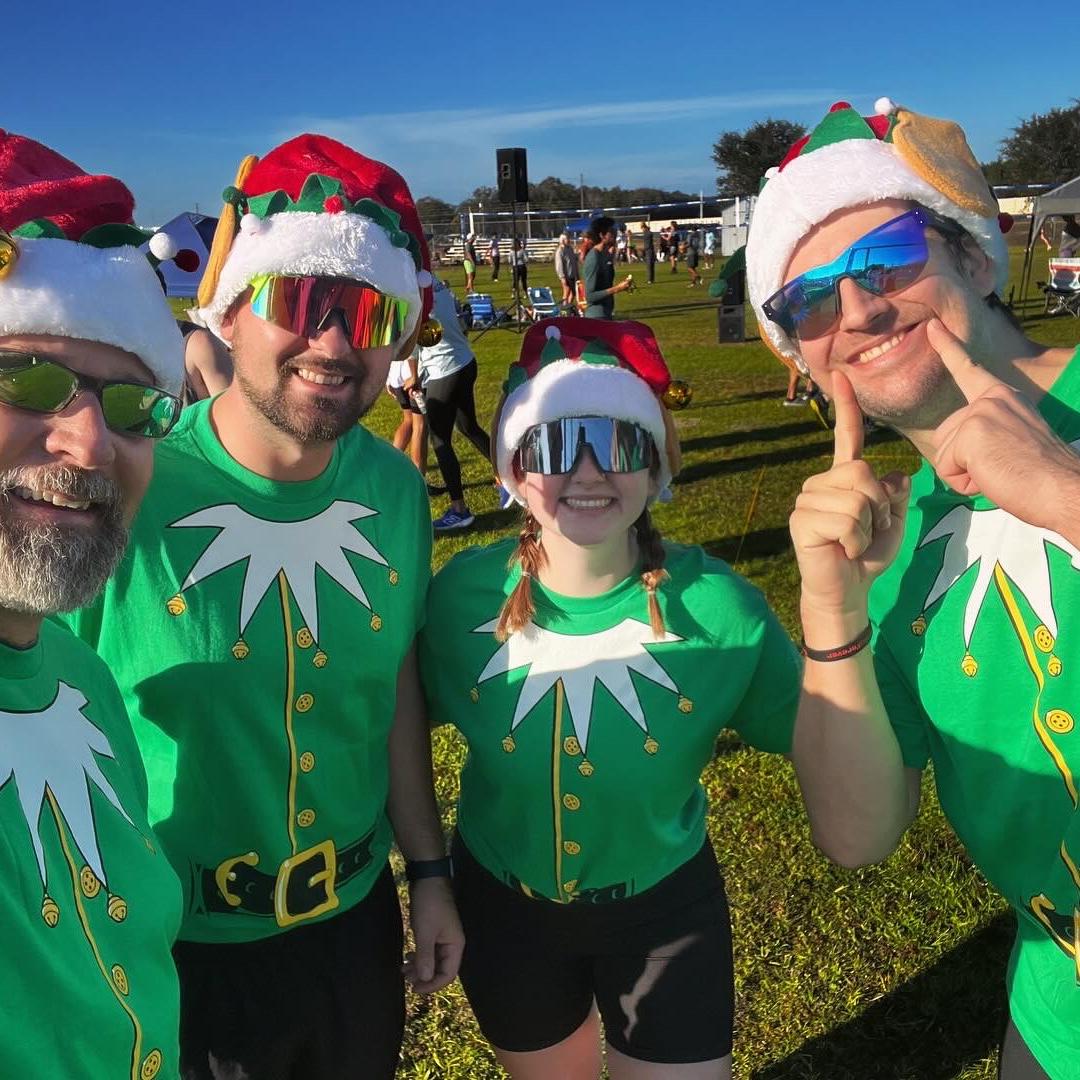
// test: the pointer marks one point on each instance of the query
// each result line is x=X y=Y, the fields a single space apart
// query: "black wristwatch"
x=425 y=868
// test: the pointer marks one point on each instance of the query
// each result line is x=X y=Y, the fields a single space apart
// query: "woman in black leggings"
x=448 y=373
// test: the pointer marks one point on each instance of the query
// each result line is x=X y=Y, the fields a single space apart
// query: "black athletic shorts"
x=658 y=964
x=320 y=1001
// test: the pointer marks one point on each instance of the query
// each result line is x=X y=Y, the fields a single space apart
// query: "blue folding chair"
x=542 y=303
x=483 y=310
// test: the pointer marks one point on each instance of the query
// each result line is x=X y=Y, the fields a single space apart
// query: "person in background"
x=410 y=436
x=598 y=271
x=208 y=368
x=566 y=268
x=582 y=865
x=648 y=252
x=496 y=257
x=468 y=262
x=710 y=248
x=621 y=245
x=519 y=265
x=673 y=246
x=448 y=379
x=692 y=260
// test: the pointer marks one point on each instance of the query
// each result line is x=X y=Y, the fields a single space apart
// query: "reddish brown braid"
x=653 y=574
x=519 y=607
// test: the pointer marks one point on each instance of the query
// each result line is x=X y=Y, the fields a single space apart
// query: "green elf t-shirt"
x=256 y=629
x=587 y=736
x=88 y=904
x=980 y=672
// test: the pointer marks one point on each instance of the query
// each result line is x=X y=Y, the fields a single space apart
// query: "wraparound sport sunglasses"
x=884 y=261
x=555 y=448
x=307 y=305
x=43 y=385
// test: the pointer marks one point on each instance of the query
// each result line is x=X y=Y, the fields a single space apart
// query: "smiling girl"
x=591 y=679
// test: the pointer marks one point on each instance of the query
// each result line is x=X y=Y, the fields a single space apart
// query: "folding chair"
x=542 y=303
x=1063 y=289
x=483 y=310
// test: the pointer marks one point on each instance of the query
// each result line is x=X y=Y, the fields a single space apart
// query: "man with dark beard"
x=262 y=631
x=90 y=363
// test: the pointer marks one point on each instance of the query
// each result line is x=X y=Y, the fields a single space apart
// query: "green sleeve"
x=589 y=272
x=765 y=717
x=902 y=706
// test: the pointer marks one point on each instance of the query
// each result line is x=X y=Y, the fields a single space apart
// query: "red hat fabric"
x=37 y=182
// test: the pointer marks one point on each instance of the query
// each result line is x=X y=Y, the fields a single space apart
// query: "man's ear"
x=228 y=320
x=979 y=267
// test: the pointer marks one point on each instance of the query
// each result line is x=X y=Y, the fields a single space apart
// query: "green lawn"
x=890 y=972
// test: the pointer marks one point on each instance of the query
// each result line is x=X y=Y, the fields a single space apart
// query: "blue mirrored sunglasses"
x=884 y=261
x=617 y=446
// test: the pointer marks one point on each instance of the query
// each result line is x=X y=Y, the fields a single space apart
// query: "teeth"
x=54 y=497
x=319 y=379
x=878 y=350
x=587 y=504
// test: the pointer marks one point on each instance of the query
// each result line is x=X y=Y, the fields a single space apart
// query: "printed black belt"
x=304 y=886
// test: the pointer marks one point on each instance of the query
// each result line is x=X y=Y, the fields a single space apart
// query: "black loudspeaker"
x=730 y=325
x=511 y=175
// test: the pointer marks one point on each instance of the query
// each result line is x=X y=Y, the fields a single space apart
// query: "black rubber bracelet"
x=425 y=868
x=842 y=652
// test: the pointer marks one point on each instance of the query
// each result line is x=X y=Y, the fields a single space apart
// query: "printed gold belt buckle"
x=325 y=877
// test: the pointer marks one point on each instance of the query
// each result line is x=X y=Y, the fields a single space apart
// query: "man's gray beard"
x=330 y=420
x=49 y=568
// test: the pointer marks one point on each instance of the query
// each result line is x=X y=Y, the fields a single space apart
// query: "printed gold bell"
x=9 y=253
x=678 y=395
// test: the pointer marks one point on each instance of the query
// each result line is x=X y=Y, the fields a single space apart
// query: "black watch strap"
x=425 y=868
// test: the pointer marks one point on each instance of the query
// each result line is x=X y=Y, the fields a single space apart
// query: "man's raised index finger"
x=973 y=380
x=848 y=430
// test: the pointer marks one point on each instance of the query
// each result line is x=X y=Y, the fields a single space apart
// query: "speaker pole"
x=517 y=277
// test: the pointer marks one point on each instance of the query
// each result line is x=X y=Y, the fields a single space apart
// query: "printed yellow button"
x=571 y=848
x=304 y=702
x=571 y=746
x=120 y=980
x=1059 y=721
x=304 y=638
x=89 y=883
x=1043 y=638
x=305 y=818
x=571 y=802
x=150 y=1066
x=307 y=761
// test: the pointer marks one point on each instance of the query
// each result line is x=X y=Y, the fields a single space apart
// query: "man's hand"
x=999 y=446
x=847 y=524
x=437 y=933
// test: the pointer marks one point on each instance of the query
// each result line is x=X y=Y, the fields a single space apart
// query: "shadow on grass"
x=948 y=1017
x=759 y=544
x=750 y=435
x=702 y=469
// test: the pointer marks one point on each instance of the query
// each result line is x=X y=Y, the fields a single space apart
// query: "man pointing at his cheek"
x=875 y=260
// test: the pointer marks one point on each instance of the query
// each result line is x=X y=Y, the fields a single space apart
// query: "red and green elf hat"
x=316 y=206
x=69 y=264
x=585 y=367
x=849 y=160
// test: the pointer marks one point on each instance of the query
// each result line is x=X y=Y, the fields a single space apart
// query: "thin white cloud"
x=470 y=127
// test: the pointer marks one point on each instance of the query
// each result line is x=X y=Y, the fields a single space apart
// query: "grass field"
x=889 y=973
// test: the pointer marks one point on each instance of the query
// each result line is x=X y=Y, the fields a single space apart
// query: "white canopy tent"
x=1060 y=200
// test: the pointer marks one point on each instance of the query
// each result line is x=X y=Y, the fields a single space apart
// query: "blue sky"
x=169 y=97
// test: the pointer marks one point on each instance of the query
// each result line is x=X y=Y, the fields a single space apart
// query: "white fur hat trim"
x=328 y=245
x=109 y=295
x=851 y=173
x=576 y=388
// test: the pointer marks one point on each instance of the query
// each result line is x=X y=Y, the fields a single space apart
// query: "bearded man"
x=876 y=261
x=90 y=365
x=262 y=632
